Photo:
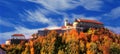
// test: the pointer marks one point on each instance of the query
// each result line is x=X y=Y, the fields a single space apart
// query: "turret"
x=66 y=23
x=75 y=23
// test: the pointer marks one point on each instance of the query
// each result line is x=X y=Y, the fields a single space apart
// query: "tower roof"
x=17 y=35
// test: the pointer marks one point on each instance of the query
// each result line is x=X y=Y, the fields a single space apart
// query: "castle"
x=78 y=24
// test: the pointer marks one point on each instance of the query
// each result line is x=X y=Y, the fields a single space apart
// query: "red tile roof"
x=63 y=27
x=17 y=35
x=45 y=29
x=90 y=21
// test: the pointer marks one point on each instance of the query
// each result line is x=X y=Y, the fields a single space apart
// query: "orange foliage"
x=70 y=42
x=82 y=35
x=88 y=45
x=105 y=49
x=32 y=50
x=53 y=39
x=73 y=32
x=94 y=38
x=31 y=43
x=3 y=45
x=90 y=52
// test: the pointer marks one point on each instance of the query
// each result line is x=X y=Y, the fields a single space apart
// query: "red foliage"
x=82 y=36
x=94 y=38
x=105 y=49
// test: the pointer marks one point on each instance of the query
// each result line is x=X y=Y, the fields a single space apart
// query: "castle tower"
x=75 y=23
x=66 y=23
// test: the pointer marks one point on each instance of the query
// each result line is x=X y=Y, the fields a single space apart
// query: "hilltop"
x=94 y=41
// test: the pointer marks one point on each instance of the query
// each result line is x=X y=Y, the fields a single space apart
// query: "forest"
x=94 y=41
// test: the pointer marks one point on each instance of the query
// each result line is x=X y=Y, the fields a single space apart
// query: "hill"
x=94 y=41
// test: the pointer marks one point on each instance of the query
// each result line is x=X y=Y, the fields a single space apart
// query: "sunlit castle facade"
x=46 y=31
x=83 y=24
x=78 y=24
x=8 y=42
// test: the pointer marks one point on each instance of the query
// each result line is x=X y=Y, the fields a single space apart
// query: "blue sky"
x=28 y=16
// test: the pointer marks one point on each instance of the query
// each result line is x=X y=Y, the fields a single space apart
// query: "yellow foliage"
x=42 y=53
x=88 y=45
x=32 y=50
x=61 y=52
x=90 y=52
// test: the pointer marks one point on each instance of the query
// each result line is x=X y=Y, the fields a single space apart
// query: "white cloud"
x=114 y=13
x=6 y=23
x=85 y=17
x=38 y=16
x=55 y=4
x=94 y=5
x=114 y=29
